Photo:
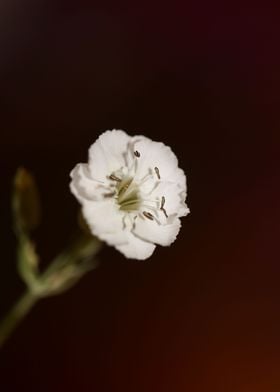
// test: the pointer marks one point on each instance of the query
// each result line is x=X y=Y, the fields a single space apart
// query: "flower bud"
x=28 y=263
x=26 y=202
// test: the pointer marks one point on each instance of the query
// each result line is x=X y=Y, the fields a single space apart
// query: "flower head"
x=132 y=193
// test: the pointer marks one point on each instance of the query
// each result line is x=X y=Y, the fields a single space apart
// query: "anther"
x=162 y=206
x=157 y=172
x=164 y=211
x=148 y=215
x=111 y=194
x=114 y=178
x=137 y=154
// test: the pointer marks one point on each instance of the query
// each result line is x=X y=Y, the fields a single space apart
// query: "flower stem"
x=15 y=315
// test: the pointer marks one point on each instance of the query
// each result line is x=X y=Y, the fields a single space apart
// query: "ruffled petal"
x=154 y=155
x=83 y=186
x=174 y=196
x=156 y=233
x=105 y=220
x=135 y=248
x=107 y=154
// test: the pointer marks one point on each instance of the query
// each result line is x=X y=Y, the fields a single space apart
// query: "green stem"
x=15 y=315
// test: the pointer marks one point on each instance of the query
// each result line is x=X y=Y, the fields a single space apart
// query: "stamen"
x=164 y=211
x=111 y=194
x=114 y=178
x=144 y=179
x=157 y=172
x=137 y=154
x=162 y=206
x=134 y=222
x=125 y=187
x=148 y=215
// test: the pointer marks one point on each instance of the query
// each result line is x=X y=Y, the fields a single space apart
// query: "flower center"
x=128 y=196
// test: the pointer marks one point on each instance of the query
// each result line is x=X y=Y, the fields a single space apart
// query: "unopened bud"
x=26 y=202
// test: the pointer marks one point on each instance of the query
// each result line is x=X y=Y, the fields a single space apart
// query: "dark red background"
x=203 y=77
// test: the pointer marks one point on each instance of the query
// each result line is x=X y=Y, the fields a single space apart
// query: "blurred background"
x=204 y=78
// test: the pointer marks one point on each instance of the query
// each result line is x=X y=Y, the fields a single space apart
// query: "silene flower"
x=132 y=193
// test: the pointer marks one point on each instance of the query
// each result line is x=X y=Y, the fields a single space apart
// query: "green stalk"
x=15 y=315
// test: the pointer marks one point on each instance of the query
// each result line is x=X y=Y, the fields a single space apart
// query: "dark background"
x=204 y=314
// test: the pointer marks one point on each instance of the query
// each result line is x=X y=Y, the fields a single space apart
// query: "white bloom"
x=132 y=193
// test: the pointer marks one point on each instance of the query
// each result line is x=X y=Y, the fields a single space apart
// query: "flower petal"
x=83 y=186
x=107 y=154
x=155 y=155
x=105 y=221
x=135 y=248
x=174 y=196
x=159 y=234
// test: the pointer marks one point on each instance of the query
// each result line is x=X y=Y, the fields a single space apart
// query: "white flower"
x=132 y=193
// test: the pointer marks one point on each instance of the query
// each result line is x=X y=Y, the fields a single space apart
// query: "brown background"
x=202 y=315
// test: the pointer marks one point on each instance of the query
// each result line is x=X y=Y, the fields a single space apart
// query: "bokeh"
x=204 y=78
